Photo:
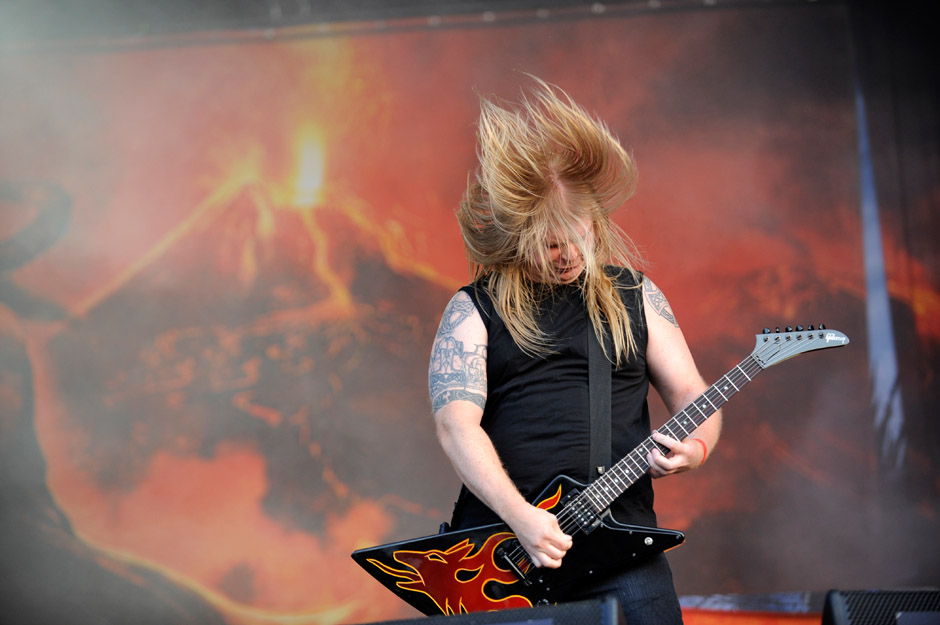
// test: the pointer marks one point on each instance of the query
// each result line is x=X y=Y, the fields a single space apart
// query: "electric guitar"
x=486 y=568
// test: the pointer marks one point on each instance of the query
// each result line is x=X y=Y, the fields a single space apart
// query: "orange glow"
x=308 y=186
x=694 y=616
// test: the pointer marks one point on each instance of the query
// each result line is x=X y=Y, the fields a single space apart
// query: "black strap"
x=599 y=375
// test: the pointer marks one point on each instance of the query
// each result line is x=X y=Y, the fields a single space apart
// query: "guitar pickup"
x=581 y=511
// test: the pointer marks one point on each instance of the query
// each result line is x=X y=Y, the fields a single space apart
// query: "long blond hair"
x=546 y=166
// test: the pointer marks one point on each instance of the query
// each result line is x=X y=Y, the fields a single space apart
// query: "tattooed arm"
x=457 y=383
x=457 y=372
x=677 y=380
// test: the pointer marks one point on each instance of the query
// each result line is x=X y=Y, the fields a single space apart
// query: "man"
x=508 y=373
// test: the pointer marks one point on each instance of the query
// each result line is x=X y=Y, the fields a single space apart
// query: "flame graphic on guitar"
x=449 y=576
x=485 y=568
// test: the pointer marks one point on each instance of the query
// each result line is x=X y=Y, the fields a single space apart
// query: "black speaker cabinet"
x=882 y=607
x=605 y=612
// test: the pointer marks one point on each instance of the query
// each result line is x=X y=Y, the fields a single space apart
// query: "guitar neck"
x=616 y=480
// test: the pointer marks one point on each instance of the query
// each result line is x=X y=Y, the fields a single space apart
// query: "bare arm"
x=457 y=384
x=675 y=377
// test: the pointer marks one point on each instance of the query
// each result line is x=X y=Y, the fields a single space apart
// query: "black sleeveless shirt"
x=537 y=411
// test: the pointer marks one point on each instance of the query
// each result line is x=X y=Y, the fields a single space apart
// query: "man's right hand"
x=540 y=535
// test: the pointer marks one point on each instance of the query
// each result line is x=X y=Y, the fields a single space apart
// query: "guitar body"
x=484 y=568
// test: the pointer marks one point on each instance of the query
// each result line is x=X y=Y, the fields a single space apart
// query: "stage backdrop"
x=224 y=258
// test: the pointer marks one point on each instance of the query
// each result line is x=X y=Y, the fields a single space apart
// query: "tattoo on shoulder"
x=658 y=302
x=456 y=312
x=456 y=372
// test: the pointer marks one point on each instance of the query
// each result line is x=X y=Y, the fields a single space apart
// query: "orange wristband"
x=704 y=449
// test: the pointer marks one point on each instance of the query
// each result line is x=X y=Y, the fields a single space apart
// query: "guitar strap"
x=599 y=389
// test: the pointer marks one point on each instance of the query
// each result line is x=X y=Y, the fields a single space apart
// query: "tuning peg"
x=810 y=327
x=822 y=326
x=777 y=329
x=799 y=328
x=789 y=329
x=766 y=330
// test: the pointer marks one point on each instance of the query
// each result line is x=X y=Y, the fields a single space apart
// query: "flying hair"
x=546 y=166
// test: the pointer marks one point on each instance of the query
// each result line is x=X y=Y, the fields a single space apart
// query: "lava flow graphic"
x=202 y=411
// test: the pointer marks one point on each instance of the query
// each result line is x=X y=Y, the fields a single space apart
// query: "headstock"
x=774 y=347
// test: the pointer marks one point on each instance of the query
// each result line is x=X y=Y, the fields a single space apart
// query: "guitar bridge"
x=513 y=565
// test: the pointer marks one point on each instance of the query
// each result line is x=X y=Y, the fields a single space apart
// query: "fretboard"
x=617 y=479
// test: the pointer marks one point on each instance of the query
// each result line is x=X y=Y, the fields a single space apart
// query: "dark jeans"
x=645 y=590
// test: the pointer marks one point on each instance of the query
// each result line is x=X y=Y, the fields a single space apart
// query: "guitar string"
x=568 y=518
x=713 y=399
